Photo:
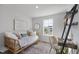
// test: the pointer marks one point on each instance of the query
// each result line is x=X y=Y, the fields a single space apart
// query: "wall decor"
x=19 y=25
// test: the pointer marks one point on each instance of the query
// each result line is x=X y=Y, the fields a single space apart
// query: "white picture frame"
x=19 y=25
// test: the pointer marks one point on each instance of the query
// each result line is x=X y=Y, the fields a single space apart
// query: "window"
x=48 y=27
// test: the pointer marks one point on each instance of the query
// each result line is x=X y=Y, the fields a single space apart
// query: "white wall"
x=75 y=29
x=7 y=14
x=58 y=23
x=58 y=20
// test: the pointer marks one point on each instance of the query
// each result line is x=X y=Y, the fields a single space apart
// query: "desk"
x=68 y=44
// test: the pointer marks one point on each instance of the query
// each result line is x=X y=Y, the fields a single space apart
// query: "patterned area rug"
x=40 y=48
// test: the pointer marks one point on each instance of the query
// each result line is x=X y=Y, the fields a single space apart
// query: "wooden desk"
x=68 y=44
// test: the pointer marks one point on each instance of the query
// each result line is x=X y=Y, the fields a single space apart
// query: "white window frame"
x=44 y=28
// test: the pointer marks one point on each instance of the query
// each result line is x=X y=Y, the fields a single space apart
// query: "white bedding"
x=28 y=40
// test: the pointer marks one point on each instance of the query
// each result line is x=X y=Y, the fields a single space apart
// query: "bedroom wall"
x=75 y=29
x=7 y=14
x=58 y=21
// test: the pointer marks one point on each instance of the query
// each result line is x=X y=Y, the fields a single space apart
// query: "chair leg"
x=50 y=50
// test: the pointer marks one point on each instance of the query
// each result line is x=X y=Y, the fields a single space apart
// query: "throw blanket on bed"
x=26 y=41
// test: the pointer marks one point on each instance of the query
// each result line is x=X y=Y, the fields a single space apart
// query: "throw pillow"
x=29 y=33
x=18 y=35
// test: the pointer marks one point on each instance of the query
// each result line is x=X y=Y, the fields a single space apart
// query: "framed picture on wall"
x=19 y=25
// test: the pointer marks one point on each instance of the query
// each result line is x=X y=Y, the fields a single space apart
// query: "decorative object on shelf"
x=74 y=24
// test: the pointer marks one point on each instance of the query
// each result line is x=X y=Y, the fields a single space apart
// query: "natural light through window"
x=48 y=27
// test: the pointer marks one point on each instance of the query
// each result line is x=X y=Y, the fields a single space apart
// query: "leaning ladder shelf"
x=72 y=12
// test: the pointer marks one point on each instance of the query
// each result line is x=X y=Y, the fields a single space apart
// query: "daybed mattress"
x=28 y=40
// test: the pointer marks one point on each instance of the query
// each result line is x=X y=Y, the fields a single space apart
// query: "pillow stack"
x=17 y=35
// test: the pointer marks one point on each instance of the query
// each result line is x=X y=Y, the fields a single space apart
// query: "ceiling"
x=43 y=10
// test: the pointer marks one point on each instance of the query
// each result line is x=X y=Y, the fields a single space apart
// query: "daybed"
x=16 y=45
